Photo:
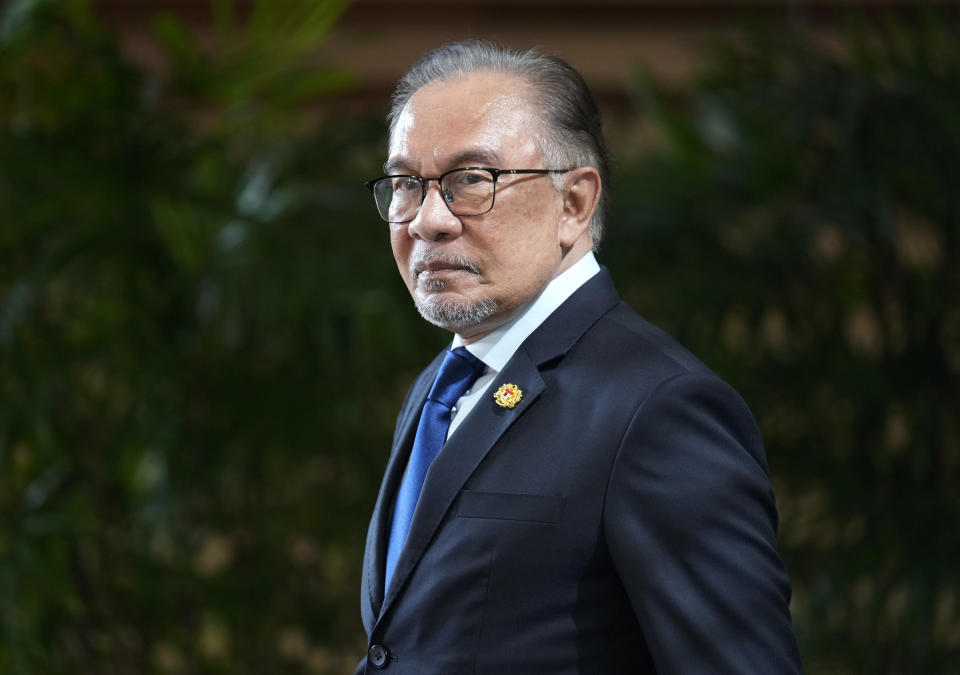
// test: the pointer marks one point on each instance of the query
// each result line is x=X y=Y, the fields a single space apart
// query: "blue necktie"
x=459 y=370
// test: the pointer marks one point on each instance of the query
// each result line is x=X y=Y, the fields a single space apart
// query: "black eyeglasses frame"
x=494 y=173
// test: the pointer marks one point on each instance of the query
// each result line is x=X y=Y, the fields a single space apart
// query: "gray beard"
x=453 y=316
x=456 y=316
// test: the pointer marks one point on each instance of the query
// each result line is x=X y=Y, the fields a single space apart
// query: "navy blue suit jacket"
x=619 y=519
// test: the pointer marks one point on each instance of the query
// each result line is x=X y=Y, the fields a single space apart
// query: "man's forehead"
x=461 y=121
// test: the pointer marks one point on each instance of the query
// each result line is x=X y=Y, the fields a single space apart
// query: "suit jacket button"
x=377 y=655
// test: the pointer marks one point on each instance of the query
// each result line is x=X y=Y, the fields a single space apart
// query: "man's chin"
x=455 y=315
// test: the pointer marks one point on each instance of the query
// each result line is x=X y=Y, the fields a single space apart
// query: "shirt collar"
x=497 y=347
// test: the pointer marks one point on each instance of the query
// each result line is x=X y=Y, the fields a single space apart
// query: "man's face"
x=471 y=274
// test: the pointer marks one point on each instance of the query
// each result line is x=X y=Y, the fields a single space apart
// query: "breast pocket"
x=529 y=508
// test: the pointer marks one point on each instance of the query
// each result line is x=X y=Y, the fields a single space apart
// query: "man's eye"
x=472 y=178
x=406 y=185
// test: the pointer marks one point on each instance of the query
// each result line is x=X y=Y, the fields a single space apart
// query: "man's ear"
x=581 y=194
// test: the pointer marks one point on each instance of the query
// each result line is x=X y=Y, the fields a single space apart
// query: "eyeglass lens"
x=467 y=192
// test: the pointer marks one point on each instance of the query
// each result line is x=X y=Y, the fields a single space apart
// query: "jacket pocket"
x=510 y=506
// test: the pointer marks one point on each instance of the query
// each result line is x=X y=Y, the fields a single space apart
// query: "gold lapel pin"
x=508 y=395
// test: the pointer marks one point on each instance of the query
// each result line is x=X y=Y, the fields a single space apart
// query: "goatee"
x=456 y=316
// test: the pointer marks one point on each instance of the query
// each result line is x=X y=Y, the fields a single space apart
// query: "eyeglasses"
x=466 y=192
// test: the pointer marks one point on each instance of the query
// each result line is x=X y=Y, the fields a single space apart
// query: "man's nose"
x=434 y=221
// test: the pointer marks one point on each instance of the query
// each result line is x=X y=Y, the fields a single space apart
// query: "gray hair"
x=569 y=117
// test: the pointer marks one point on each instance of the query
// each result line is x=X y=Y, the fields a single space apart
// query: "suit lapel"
x=379 y=533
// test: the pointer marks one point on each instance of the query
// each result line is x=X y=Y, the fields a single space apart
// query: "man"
x=601 y=503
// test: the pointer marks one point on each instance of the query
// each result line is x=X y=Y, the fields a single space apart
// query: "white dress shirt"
x=497 y=348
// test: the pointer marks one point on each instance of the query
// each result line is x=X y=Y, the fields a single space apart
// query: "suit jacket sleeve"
x=691 y=526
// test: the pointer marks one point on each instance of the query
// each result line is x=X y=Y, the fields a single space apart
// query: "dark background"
x=204 y=340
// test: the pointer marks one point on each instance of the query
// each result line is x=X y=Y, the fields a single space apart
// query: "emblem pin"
x=508 y=395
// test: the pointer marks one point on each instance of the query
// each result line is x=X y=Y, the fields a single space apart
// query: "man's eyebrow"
x=482 y=157
x=395 y=166
x=468 y=157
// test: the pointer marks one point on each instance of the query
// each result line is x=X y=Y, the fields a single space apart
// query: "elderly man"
x=569 y=490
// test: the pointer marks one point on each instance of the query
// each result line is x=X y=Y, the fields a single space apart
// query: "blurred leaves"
x=198 y=370
x=268 y=59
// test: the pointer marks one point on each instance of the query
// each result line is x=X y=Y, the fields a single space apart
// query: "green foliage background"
x=203 y=339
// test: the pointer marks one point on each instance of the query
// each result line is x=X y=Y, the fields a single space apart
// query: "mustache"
x=434 y=259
